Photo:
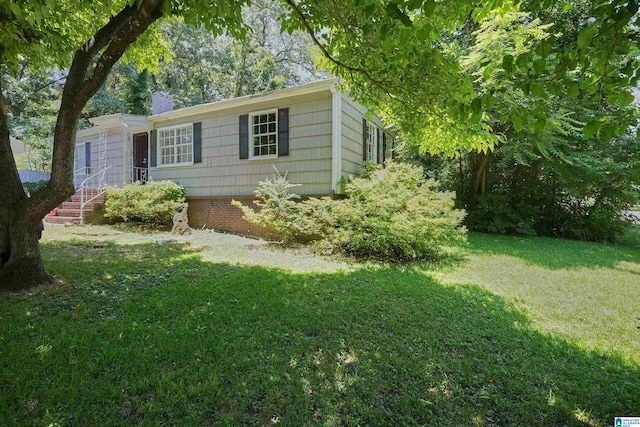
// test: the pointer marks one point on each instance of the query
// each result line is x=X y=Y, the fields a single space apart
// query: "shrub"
x=153 y=202
x=392 y=214
x=279 y=210
x=396 y=214
x=32 y=187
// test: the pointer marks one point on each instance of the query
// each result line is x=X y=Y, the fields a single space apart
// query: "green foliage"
x=32 y=187
x=555 y=173
x=383 y=52
x=396 y=214
x=204 y=67
x=578 y=193
x=278 y=209
x=392 y=214
x=153 y=202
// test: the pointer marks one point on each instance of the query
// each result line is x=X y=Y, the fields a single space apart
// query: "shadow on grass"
x=555 y=253
x=187 y=342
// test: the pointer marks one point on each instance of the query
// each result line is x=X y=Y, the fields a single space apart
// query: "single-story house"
x=220 y=151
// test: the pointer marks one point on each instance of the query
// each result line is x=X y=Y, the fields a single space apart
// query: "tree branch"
x=325 y=52
x=112 y=40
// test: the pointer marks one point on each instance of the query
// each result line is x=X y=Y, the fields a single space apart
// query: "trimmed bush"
x=392 y=214
x=153 y=203
x=396 y=214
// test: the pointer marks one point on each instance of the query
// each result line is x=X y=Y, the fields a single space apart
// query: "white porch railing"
x=97 y=181
x=79 y=175
x=140 y=174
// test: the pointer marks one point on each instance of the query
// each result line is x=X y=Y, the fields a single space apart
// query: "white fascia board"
x=114 y=121
x=322 y=85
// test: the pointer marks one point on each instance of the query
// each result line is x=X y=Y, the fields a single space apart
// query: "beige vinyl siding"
x=222 y=173
x=352 y=114
x=114 y=147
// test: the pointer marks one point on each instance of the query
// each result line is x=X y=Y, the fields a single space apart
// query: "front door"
x=140 y=156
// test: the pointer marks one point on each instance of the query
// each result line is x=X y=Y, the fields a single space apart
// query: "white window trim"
x=372 y=129
x=159 y=147
x=251 y=148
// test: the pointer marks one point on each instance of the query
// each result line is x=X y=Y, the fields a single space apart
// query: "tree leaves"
x=591 y=128
x=586 y=36
x=394 y=12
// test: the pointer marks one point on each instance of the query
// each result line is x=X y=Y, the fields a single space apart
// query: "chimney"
x=161 y=102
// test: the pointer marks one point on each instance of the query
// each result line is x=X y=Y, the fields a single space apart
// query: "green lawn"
x=214 y=329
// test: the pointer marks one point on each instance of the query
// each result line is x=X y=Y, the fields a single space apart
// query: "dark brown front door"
x=140 y=156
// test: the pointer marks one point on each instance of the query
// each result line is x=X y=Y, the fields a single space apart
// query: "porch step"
x=69 y=211
x=96 y=199
x=62 y=220
x=76 y=205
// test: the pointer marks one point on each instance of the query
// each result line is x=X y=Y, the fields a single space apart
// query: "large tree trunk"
x=24 y=267
x=21 y=264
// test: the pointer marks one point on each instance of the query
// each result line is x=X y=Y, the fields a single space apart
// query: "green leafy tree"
x=88 y=37
x=391 y=55
x=547 y=176
x=32 y=94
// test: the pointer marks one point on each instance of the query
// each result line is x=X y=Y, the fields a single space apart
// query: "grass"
x=215 y=329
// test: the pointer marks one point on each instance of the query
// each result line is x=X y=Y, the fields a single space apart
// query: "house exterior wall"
x=113 y=154
x=223 y=173
x=352 y=114
x=319 y=153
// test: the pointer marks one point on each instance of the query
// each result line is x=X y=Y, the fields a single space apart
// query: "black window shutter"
x=87 y=157
x=283 y=132
x=365 y=130
x=153 y=145
x=244 y=136
x=197 y=142
x=380 y=146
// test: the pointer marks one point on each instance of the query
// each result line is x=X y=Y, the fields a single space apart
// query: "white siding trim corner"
x=336 y=138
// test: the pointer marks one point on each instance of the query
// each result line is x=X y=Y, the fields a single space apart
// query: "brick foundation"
x=218 y=213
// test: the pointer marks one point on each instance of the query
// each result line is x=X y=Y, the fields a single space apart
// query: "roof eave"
x=315 y=87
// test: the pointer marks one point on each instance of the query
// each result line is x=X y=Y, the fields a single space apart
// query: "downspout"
x=336 y=140
x=124 y=151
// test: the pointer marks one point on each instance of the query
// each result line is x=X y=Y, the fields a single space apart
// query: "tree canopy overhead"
x=389 y=52
x=390 y=55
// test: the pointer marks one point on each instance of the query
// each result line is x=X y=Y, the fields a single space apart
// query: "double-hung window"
x=372 y=143
x=175 y=145
x=388 y=147
x=263 y=128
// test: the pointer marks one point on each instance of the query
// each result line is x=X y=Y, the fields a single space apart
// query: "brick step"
x=76 y=205
x=75 y=213
x=61 y=220
x=99 y=199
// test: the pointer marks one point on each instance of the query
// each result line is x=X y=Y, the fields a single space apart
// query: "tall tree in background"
x=202 y=67
x=547 y=176
x=33 y=94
